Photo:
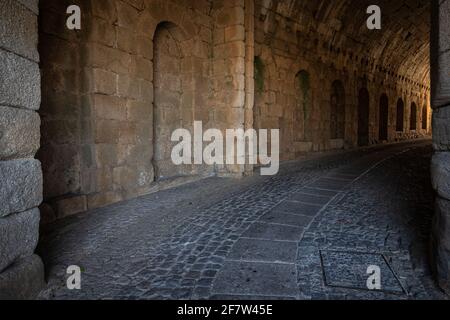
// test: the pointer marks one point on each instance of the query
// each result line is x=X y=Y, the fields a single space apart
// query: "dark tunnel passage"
x=353 y=106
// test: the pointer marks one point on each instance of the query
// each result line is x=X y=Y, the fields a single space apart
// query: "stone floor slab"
x=295 y=220
x=319 y=192
x=343 y=176
x=350 y=270
x=262 y=279
x=264 y=250
x=353 y=170
x=266 y=231
x=292 y=207
x=310 y=199
x=330 y=184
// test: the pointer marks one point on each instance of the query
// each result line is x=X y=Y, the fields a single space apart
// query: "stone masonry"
x=114 y=91
x=317 y=42
x=21 y=272
x=440 y=75
x=110 y=90
x=97 y=106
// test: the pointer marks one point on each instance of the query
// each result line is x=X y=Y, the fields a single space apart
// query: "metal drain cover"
x=349 y=270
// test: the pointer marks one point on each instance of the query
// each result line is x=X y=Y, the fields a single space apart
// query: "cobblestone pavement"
x=308 y=233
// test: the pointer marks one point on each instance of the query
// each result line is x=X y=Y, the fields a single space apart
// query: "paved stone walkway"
x=308 y=233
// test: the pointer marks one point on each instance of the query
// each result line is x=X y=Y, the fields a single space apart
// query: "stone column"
x=440 y=78
x=21 y=272
x=229 y=70
x=249 y=69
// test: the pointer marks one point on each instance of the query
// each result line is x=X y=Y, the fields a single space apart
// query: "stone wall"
x=109 y=105
x=21 y=272
x=291 y=43
x=229 y=70
x=441 y=139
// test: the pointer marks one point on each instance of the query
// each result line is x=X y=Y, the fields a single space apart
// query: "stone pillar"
x=21 y=272
x=249 y=69
x=229 y=68
x=440 y=78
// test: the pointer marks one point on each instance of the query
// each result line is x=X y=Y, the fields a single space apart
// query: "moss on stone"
x=259 y=74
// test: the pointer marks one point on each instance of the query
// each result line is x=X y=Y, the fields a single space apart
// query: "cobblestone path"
x=308 y=233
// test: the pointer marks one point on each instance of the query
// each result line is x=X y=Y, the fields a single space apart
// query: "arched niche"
x=303 y=107
x=384 y=118
x=400 y=115
x=337 y=111
x=173 y=108
x=413 y=117
x=363 y=117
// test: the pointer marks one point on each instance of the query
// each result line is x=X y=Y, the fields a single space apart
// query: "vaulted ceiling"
x=402 y=45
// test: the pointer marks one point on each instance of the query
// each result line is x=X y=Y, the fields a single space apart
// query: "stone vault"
x=96 y=106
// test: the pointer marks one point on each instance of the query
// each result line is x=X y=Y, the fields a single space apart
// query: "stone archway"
x=337 y=112
x=363 y=117
x=413 y=117
x=259 y=78
x=303 y=110
x=425 y=117
x=171 y=112
x=400 y=115
x=384 y=118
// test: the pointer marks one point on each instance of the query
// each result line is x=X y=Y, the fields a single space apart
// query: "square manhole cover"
x=349 y=270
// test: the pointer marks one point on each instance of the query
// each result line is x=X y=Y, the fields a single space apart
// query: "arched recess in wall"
x=172 y=108
x=400 y=115
x=363 y=117
x=413 y=117
x=384 y=118
x=425 y=117
x=337 y=112
x=303 y=107
x=259 y=74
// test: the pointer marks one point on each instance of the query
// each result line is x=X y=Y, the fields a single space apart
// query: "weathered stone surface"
x=70 y=206
x=32 y=5
x=19 y=17
x=61 y=166
x=309 y=199
x=19 y=81
x=19 y=234
x=48 y=214
x=440 y=168
x=440 y=59
x=21 y=273
x=441 y=243
x=132 y=81
x=243 y=278
x=103 y=199
x=21 y=185
x=264 y=251
x=276 y=232
x=19 y=133
x=349 y=270
x=441 y=129
x=293 y=220
x=291 y=207
x=203 y=56
x=23 y=280
x=311 y=117
x=440 y=174
x=197 y=235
